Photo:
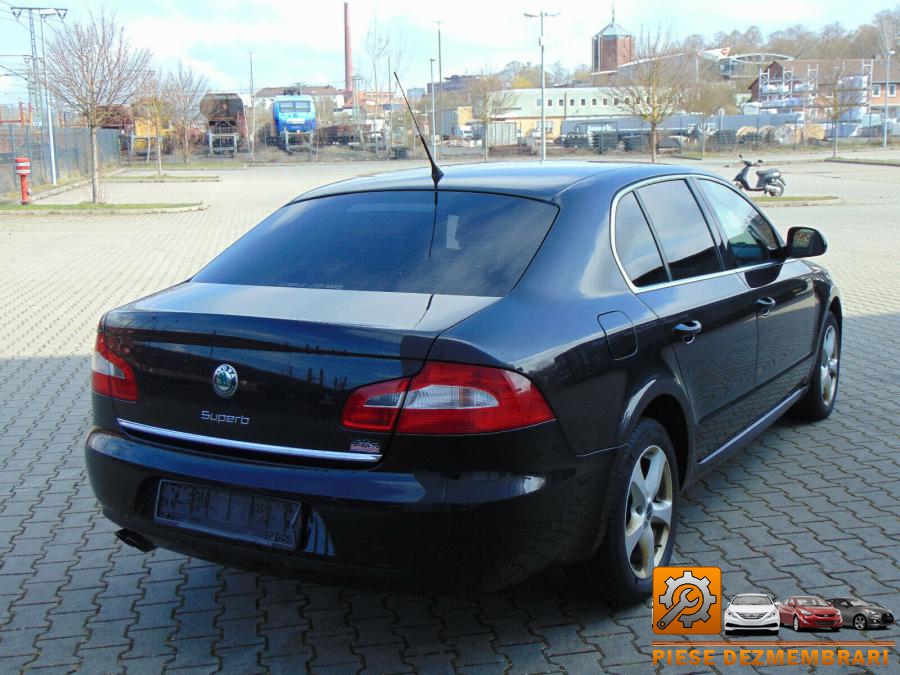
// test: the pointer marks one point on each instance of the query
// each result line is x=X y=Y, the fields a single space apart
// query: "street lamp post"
x=887 y=84
x=541 y=16
x=433 y=129
x=441 y=82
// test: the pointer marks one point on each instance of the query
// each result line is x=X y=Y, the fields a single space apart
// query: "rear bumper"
x=476 y=529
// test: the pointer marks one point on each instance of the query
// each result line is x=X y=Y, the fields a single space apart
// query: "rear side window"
x=681 y=228
x=635 y=246
x=468 y=244
x=751 y=240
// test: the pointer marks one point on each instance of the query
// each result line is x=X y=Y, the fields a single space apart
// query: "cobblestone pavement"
x=804 y=508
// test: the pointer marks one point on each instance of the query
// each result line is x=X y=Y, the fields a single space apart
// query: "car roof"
x=536 y=180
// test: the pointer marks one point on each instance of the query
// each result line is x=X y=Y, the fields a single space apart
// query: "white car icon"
x=751 y=611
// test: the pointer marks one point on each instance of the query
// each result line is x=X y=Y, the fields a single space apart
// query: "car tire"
x=796 y=624
x=820 y=398
x=860 y=622
x=625 y=579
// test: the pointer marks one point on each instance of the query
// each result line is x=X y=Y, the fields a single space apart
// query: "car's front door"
x=786 y=304
x=706 y=311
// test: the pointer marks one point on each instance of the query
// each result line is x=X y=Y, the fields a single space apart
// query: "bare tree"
x=156 y=108
x=653 y=87
x=839 y=91
x=705 y=98
x=378 y=45
x=92 y=68
x=184 y=89
x=489 y=99
x=887 y=22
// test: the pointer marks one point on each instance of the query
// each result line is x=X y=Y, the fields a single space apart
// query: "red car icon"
x=808 y=612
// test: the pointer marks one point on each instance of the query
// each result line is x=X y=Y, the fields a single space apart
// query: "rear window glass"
x=469 y=244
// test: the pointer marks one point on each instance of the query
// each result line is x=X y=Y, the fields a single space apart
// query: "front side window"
x=682 y=230
x=635 y=245
x=472 y=244
x=751 y=240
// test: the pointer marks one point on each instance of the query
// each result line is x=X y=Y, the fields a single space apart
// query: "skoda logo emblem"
x=225 y=380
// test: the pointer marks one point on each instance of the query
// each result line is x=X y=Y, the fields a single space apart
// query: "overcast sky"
x=302 y=40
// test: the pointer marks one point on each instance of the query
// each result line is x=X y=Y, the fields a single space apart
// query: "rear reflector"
x=448 y=398
x=110 y=374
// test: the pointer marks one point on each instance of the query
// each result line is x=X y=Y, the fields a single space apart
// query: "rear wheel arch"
x=668 y=411
x=836 y=309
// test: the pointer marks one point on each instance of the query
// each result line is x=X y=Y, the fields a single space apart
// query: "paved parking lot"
x=804 y=509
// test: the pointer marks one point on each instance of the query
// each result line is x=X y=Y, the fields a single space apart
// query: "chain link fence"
x=72 y=146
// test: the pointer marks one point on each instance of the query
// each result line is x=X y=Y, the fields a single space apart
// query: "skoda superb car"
x=517 y=366
x=753 y=612
x=809 y=612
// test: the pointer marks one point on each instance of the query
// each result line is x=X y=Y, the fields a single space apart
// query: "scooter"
x=770 y=181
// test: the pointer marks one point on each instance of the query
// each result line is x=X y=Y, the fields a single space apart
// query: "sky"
x=302 y=40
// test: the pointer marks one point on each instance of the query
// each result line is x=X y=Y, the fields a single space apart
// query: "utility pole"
x=441 y=82
x=887 y=84
x=34 y=92
x=252 y=110
x=433 y=129
x=541 y=15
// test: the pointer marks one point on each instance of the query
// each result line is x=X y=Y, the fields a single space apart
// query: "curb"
x=811 y=202
x=864 y=162
x=102 y=212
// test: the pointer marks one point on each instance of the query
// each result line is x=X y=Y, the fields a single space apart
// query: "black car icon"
x=862 y=614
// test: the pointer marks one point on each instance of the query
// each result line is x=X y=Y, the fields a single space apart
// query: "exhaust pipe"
x=138 y=541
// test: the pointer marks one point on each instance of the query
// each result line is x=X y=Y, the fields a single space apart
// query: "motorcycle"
x=769 y=181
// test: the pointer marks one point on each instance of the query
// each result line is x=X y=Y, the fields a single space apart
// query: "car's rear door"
x=705 y=310
x=786 y=303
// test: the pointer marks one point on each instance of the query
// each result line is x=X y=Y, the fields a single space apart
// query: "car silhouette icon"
x=809 y=612
x=751 y=612
x=861 y=614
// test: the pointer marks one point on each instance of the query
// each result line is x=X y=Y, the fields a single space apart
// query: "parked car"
x=521 y=366
x=751 y=611
x=861 y=614
x=808 y=612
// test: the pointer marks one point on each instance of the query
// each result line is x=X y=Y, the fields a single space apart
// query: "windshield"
x=811 y=602
x=470 y=244
x=293 y=106
x=751 y=600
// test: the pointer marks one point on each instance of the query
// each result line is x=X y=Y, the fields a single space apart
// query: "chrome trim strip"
x=246 y=445
x=678 y=282
x=758 y=426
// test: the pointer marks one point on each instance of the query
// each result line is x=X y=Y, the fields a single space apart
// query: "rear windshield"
x=469 y=244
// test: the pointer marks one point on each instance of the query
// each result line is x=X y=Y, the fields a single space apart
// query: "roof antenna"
x=436 y=173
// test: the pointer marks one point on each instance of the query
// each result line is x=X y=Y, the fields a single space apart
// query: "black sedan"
x=520 y=366
x=861 y=614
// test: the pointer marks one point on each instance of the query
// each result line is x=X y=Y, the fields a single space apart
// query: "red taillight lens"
x=110 y=374
x=448 y=398
x=375 y=406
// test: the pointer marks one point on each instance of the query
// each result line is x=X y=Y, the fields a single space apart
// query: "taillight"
x=110 y=374
x=448 y=398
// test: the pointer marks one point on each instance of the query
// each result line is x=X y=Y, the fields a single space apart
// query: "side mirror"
x=778 y=604
x=805 y=242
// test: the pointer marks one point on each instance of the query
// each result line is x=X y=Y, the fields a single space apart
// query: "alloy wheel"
x=648 y=512
x=828 y=366
x=859 y=623
x=796 y=624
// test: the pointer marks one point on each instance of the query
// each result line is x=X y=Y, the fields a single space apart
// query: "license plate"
x=268 y=521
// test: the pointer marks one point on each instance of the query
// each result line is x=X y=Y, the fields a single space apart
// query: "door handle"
x=688 y=331
x=765 y=305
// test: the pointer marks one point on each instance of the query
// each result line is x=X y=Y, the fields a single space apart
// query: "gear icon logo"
x=687 y=600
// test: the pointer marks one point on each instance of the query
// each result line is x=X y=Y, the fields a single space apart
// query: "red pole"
x=23 y=170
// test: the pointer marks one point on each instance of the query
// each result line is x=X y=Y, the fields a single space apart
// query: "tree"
x=653 y=87
x=489 y=99
x=92 y=68
x=156 y=107
x=184 y=89
x=839 y=91
x=706 y=98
